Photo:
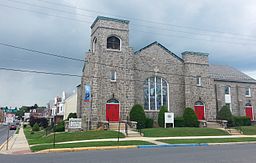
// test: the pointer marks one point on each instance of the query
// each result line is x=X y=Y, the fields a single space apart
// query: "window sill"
x=113 y=81
x=247 y=96
x=113 y=50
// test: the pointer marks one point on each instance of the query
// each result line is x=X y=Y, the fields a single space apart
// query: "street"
x=4 y=132
x=210 y=154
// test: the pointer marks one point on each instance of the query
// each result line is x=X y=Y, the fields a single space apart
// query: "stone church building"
x=115 y=78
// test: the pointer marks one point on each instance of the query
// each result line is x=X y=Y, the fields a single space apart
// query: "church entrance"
x=199 y=110
x=249 y=111
x=112 y=110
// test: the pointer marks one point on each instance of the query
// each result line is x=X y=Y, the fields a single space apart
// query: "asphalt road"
x=210 y=154
x=4 y=132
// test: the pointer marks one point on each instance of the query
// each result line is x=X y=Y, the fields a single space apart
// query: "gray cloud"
x=72 y=37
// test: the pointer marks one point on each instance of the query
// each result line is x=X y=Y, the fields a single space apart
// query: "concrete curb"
x=171 y=145
x=86 y=149
x=1 y=146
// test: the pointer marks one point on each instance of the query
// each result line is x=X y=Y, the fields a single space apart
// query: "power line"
x=92 y=62
x=44 y=13
x=166 y=29
x=100 y=77
x=147 y=21
x=39 y=72
x=41 y=52
x=160 y=34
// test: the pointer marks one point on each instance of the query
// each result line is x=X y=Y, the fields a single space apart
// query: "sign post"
x=168 y=118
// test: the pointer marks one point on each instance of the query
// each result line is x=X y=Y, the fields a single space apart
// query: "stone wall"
x=238 y=98
x=196 y=64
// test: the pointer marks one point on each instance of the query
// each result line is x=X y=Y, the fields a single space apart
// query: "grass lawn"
x=90 y=144
x=213 y=140
x=40 y=138
x=182 y=131
x=248 y=130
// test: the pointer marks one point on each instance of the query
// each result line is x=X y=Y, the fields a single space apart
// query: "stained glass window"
x=155 y=93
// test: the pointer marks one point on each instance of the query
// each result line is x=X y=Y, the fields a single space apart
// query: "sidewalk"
x=17 y=145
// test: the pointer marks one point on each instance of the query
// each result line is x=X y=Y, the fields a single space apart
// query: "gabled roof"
x=109 y=19
x=161 y=46
x=227 y=73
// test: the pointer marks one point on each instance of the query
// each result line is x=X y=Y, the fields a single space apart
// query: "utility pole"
x=8 y=134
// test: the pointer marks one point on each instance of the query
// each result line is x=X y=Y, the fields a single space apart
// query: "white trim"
x=149 y=94
x=162 y=101
x=168 y=100
x=199 y=79
x=119 y=40
x=250 y=94
x=113 y=80
x=155 y=96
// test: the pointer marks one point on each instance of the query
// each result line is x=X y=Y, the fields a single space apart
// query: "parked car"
x=13 y=127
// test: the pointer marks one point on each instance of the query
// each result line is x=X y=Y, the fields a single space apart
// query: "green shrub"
x=149 y=123
x=72 y=115
x=241 y=121
x=225 y=114
x=190 y=118
x=179 y=122
x=60 y=127
x=137 y=114
x=24 y=125
x=35 y=127
x=160 y=121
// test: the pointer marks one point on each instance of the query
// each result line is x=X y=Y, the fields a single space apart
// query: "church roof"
x=160 y=45
x=227 y=73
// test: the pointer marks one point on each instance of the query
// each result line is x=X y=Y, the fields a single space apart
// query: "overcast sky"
x=226 y=29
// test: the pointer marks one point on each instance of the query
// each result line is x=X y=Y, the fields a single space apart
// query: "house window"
x=198 y=81
x=248 y=92
x=155 y=93
x=113 y=43
x=113 y=76
x=227 y=90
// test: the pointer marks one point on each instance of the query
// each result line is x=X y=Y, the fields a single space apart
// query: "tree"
x=72 y=115
x=161 y=121
x=225 y=114
x=190 y=118
x=137 y=114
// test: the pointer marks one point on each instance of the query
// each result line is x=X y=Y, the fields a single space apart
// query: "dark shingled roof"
x=227 y=73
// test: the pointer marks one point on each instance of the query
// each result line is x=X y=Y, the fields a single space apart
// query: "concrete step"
x=233 y=132
x=131 y=133
x=213 y=125
x=115 y=126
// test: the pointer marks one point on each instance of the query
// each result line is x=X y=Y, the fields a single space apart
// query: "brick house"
x=154 y=76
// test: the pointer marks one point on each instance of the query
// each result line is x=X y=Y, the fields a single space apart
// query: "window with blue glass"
x=155 y=93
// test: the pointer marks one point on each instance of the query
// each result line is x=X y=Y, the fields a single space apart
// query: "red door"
x=249 y=112
x=112 y=112
x=199 y=110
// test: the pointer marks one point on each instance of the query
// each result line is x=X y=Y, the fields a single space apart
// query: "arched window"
x=155 y=93
x=113 y=43
x=199 y=103
x=94 y=44
x=248 y=104
x=227 y=90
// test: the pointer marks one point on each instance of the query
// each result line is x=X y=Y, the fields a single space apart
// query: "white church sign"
x=75 y=123
x=168 y=118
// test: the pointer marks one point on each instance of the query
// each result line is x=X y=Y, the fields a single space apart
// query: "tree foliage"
x=161 y=121
x=137 y=114
x=190 y=118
